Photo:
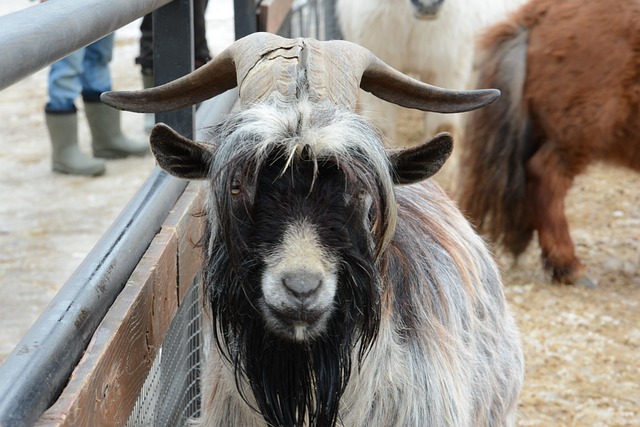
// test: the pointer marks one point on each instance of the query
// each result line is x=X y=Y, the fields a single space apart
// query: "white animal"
x=433 y=40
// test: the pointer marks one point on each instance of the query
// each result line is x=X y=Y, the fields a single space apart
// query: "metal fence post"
x=245 y=19
x=173 y=57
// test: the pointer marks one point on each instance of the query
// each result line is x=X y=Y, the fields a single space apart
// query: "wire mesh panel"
x=170 y=394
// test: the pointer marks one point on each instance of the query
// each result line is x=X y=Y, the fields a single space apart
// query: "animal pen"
x=120 y=342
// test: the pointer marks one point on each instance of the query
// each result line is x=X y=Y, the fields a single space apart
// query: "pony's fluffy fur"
x=569 y=73
x=419 y=333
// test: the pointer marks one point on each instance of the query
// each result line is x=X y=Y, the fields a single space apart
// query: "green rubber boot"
x=108 y=140
x=66 y=156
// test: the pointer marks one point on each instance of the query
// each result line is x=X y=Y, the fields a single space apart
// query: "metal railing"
x=36 y=371
x=35 y=37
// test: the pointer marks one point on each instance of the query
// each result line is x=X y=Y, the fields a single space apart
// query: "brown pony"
x=569 y=73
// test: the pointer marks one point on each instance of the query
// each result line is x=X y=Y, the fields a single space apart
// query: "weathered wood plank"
x=187 y=219
x=272 y=13
x=105 y=384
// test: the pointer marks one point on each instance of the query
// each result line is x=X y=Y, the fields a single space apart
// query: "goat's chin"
x=296 y=325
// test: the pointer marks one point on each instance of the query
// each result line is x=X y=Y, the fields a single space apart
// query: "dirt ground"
x=49 y=222
x=582 y=346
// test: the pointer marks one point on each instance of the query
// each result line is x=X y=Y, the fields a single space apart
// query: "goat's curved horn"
x=385 y=82
x=226 y=71
x=213 y=78
x=391 y=85
x=262 y=63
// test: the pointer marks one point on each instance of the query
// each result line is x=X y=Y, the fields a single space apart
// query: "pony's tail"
x=497 y=143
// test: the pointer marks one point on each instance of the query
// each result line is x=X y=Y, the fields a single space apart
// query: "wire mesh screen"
x=171 y=394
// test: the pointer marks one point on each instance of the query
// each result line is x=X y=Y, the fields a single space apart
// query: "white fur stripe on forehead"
x=327 y=129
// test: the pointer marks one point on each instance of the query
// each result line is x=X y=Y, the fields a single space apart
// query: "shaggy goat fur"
x=419 y=332
x=339 y=287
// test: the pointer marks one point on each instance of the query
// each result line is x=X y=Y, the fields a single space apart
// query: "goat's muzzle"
x=298 y=302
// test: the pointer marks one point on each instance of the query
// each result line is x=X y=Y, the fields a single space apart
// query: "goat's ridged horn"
x=385 y=82
x=226 y=71
x=214 y=78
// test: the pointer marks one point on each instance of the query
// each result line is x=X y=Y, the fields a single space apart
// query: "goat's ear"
x=419 y=163
x=180 y=156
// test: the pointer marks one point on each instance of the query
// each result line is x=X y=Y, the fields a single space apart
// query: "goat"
x=430 y=39
x=334 y=297
x=570 y=77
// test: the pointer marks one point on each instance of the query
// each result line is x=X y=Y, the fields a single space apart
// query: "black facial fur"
x=292 y=381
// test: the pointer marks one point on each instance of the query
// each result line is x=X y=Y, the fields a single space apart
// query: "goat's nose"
x=302 y=284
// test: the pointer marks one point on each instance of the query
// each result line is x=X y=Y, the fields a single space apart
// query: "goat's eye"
x=235 y=187
x=358 y=197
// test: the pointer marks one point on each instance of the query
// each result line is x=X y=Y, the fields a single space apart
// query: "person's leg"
x=64 y=83
x=145 y=58
x=96 y=76
x=62 y=120
x=108 y=141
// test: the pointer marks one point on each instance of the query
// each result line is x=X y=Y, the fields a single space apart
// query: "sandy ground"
x=582 y=346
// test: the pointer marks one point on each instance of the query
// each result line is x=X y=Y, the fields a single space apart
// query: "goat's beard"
x=294 y=383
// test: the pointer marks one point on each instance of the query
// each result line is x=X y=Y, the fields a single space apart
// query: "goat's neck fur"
x=447 y=352
x=440 y=346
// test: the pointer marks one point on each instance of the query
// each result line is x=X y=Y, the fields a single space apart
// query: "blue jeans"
x=85 y=72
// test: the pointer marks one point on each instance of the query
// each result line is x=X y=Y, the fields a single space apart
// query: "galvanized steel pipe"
x=34 y=37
